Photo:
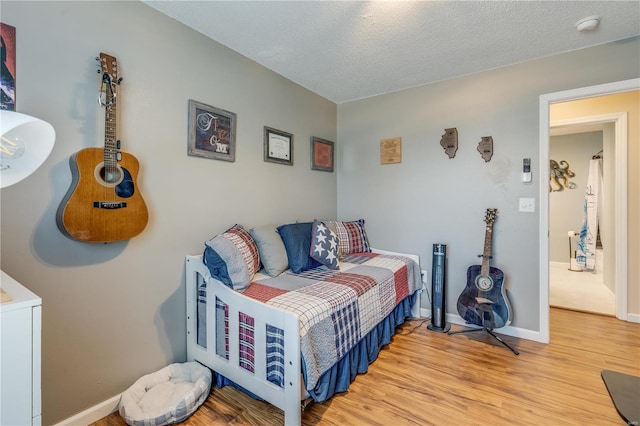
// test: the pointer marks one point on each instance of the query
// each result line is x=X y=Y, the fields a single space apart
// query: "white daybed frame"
x=288 y=398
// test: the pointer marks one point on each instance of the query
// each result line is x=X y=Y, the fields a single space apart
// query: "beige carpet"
x=581 y=291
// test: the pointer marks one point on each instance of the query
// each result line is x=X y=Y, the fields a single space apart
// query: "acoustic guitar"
x=483 y=301
x=103 y=203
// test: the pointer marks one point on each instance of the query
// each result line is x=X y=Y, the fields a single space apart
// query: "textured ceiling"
x=348 y=50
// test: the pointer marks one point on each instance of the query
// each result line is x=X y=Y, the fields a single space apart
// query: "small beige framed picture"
x=391 y=150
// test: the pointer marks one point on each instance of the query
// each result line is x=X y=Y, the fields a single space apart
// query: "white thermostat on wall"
x=526 y=169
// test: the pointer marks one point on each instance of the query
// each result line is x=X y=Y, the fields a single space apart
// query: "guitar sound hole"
x=111 y=176
x=108 y=176
x=484 y=283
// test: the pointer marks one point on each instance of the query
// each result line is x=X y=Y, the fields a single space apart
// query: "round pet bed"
x=167 y=396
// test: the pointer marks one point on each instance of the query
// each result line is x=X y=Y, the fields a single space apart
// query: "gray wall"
x=429 y=198
x=566 y=206
x=112 y=313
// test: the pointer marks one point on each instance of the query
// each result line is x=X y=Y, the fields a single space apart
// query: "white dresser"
x=20 y=354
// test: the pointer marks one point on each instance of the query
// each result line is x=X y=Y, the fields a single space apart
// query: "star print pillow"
x=324 y=245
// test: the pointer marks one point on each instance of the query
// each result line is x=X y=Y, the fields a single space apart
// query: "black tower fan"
x=438 y=281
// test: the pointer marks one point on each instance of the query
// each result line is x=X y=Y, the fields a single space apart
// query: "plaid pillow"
x=232 y=257
x=352 y=237
x=246 y=245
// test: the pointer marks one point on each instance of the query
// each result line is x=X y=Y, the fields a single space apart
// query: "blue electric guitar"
x=484 y=302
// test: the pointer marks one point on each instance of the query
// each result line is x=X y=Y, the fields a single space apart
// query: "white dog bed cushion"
x=167 y=396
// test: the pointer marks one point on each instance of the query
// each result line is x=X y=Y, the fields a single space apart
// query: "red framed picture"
x=8 y=72
x=321 y=154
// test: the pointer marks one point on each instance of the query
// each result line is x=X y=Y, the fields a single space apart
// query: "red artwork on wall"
x=321 y=154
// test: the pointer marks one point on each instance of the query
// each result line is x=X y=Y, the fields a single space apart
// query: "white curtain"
x=586 y=253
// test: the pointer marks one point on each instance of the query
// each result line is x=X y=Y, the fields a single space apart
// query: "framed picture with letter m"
x=212 y=132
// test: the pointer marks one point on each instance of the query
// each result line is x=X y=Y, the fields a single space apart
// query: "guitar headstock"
x=490 y=216
x=109 y=65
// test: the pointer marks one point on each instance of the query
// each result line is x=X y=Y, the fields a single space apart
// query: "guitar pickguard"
x=126 y=188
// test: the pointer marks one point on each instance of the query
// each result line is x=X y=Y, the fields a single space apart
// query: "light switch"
x=527 y=205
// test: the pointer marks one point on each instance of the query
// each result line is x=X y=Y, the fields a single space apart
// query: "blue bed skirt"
x=356 y=361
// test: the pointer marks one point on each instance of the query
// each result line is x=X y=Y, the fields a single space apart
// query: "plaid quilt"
x=336 y=310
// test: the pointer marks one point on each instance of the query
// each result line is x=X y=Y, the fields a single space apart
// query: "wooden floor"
x=428 y=378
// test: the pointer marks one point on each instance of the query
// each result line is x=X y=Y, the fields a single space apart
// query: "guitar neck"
x=110 y=140
x=486 y=255
x=109 y=84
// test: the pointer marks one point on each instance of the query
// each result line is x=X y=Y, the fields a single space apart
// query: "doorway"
x=620 y=219
x=577 y=149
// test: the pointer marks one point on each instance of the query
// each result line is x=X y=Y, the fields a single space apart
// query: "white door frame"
x=620 y=120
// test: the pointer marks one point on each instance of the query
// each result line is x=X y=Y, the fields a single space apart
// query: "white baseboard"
x=93 y=414
x=512 y=331
x=633 y=318
x=508 y=330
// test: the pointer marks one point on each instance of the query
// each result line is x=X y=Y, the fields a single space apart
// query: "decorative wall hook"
x=485 y=148
x=560 y=173
x=449 y=141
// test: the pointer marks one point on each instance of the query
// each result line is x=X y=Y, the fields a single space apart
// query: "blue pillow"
x=217 y=266
x=297 y=243
x=324 y=245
